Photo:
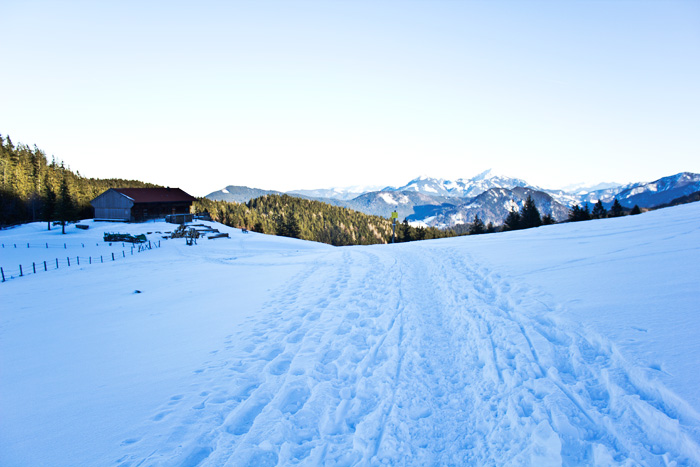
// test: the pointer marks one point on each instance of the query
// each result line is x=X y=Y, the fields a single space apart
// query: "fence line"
x=63 y=246
x=46 y=266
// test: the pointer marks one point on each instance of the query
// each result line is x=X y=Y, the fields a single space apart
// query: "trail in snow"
x=419 y=357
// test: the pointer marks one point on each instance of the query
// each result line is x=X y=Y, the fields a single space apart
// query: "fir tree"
x=292 y=226
x=64 y=210
x=530 y=215
x=513 y=220
x=280 y=225
x=547 y=219
x=599 y=211
x=477 y=226
x=406 y=232
x=578 y=213
x=616 y=209
x=49 y=201
x=635 y=210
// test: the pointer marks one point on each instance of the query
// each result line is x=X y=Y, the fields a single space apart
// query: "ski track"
x=415 y=358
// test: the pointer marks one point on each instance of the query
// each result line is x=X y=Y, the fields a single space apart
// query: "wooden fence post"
x=20 y=271
x=34 y=267
x=2 y=272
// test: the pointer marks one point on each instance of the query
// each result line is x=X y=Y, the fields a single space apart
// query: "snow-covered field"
x=571 y=344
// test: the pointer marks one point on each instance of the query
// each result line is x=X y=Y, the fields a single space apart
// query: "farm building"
x=140 y=204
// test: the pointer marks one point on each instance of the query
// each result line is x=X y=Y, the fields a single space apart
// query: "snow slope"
x=564 y=345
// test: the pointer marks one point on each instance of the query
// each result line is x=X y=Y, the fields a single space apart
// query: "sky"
x=314 y=94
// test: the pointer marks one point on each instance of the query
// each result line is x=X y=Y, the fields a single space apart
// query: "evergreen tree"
x=578 y=213
x=280 y=225
x=64 y=209
x=49 y=201
x=616 y=209
x=292 y=226
x=512 y=221
x=477 y=226
x=490 y=228
x=547 y=219
x=406 y=232
x=530 y=215
x=635 y=210
x=599 y=211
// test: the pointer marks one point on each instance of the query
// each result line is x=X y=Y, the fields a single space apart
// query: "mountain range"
x=446 y=203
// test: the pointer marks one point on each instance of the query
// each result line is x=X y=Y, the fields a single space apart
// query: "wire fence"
x=63 y=246
x=36 y=267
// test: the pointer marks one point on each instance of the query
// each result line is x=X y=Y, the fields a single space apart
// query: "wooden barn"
x=140 y=204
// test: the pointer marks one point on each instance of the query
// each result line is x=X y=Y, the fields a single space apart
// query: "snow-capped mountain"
x=408 y=204
x=343 y=193
x=239 y=194
x=461 y=188
x=649 y=194
x=587 y=188
x=494 y=204
x=445 y=203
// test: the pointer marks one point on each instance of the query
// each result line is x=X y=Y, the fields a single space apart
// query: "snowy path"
x=414 y=356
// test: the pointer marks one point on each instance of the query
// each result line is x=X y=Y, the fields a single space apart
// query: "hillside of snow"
x=572 y=344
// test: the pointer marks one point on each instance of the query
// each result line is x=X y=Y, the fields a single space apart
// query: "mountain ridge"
x=446 y=203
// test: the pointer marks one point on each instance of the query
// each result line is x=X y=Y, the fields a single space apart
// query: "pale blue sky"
x=292 y=94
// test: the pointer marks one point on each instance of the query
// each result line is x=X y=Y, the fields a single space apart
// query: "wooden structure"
x=140 y=204
x=179 y=218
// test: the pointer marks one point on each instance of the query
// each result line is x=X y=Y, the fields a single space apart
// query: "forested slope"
x=311 y=220
x=33 y=189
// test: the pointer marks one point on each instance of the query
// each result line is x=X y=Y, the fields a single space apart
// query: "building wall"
x=144 y=211
x=113 y=214
x=112 y=205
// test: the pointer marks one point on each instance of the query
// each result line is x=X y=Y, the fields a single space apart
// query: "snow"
x=570 y=344
x=224 y=190
x=421 y=223
x=388 y=198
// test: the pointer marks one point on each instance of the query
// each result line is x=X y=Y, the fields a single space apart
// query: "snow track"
x=567 y=345
x=412 y=356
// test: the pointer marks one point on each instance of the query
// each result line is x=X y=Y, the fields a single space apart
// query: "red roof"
x=155 y=195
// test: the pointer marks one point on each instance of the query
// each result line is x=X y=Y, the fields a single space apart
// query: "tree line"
x=289 y=216
x=529 y=216
x=34 y=189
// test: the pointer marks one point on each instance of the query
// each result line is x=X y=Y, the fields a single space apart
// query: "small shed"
x=140 y=204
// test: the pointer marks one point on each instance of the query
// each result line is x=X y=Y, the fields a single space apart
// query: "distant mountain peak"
x=488 y=173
